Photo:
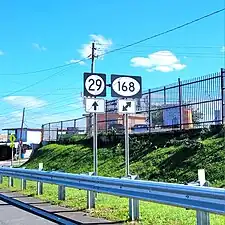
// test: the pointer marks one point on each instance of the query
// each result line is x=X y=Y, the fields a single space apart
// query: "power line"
x=125 y=46
x=44 y=70
x=164 y=32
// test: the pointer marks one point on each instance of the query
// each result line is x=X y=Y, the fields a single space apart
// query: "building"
x=106 y=119
x=30 y=136
x=3 y=138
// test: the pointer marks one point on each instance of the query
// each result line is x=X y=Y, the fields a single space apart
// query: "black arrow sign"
x=95 y=105
x=128 y=104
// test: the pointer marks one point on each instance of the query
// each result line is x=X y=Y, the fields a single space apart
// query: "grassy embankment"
x=166 y=158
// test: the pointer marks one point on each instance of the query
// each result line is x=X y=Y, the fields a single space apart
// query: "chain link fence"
x=188 y=104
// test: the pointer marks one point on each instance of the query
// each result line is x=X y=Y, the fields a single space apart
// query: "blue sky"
x=41 y=34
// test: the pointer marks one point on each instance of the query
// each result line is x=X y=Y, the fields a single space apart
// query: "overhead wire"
x=128 y=45
x=111 y=51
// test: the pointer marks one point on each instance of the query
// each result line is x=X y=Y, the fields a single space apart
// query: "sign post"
x=126 y=87
x=127 y=147
x=12 y=139
x=126 y=107
x=95 y=86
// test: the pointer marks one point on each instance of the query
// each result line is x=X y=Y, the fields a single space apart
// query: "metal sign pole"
x=127 y=169
x=95 y=145
x=12 y=158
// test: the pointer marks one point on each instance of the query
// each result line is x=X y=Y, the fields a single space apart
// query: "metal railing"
x=188 y=104
x=202 y=199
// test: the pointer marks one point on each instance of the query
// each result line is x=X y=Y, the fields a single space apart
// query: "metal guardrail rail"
x=206 y=199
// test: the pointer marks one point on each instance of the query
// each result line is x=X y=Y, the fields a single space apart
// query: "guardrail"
x=202 y=199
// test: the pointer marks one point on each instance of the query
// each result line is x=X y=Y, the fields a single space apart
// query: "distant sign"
x=126 y=86
x=94 y=85
x=126 y=106
x=12 y=138
x=94 y=105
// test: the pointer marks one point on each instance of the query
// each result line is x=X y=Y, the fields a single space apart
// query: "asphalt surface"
x=15 y=163
x=11 y=215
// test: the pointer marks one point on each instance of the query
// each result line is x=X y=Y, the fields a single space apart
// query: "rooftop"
x=28 y=129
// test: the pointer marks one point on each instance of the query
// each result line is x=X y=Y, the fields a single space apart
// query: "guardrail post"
x=23 y=183
x=90 y=196
x=10 y=180
x=1 y=179
x=202 y=216
x=40 y=184
x=61 y=192
x=133 y=205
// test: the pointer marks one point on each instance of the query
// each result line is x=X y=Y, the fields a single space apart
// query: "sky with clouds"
x=43 y=34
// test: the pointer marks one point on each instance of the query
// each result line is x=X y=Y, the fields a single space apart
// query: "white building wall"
x=33 y=137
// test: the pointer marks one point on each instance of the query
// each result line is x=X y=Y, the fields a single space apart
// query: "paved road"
x=8 y=162
x=10 y=215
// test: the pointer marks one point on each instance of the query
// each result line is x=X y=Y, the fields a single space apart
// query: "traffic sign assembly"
x=94 y=105
x=94 y=85
x=126 y=86
x=122 y=86
x=126 y=106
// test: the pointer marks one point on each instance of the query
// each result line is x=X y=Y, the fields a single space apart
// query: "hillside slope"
x=171 y=160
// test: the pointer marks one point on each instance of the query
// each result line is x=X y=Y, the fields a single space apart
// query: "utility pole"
x=95 y=125
x=21 y=132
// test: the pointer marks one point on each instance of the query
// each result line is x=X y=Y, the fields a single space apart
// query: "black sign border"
x=137 y=78
x=85 y=91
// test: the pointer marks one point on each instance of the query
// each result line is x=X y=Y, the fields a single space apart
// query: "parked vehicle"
x=139 y=128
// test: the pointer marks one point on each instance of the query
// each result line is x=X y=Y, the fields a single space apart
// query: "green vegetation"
x=170 y=157
x=166 y=157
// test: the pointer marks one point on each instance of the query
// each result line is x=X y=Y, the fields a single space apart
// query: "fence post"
x=180 y=102
x=10 y=180
x=133 y=205
x=75 y=123
x=222 y=90
x=90 y=196
x=49 y=129
x=61 y=128
x=40 y=184
x=149 y=110
x=106 y=116
x=202 y=216
x=23 y=184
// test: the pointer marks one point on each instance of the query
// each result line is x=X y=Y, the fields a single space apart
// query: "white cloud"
x=76 y=61
x=101 y=43
x=1 y=52
x=25 y=101
x=223 y=49
x=39 y=47
x=164 y=61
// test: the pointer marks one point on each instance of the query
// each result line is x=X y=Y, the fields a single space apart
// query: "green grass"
x=154 y=158
x=175 y=163
x=115 y=208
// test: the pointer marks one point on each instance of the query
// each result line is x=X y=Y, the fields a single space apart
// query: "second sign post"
x=126 y=88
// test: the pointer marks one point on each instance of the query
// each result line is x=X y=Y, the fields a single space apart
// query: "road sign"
x=94 y=84
x=126 y=86
x=95 y=105
x=12 y=138
x=126 y=106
